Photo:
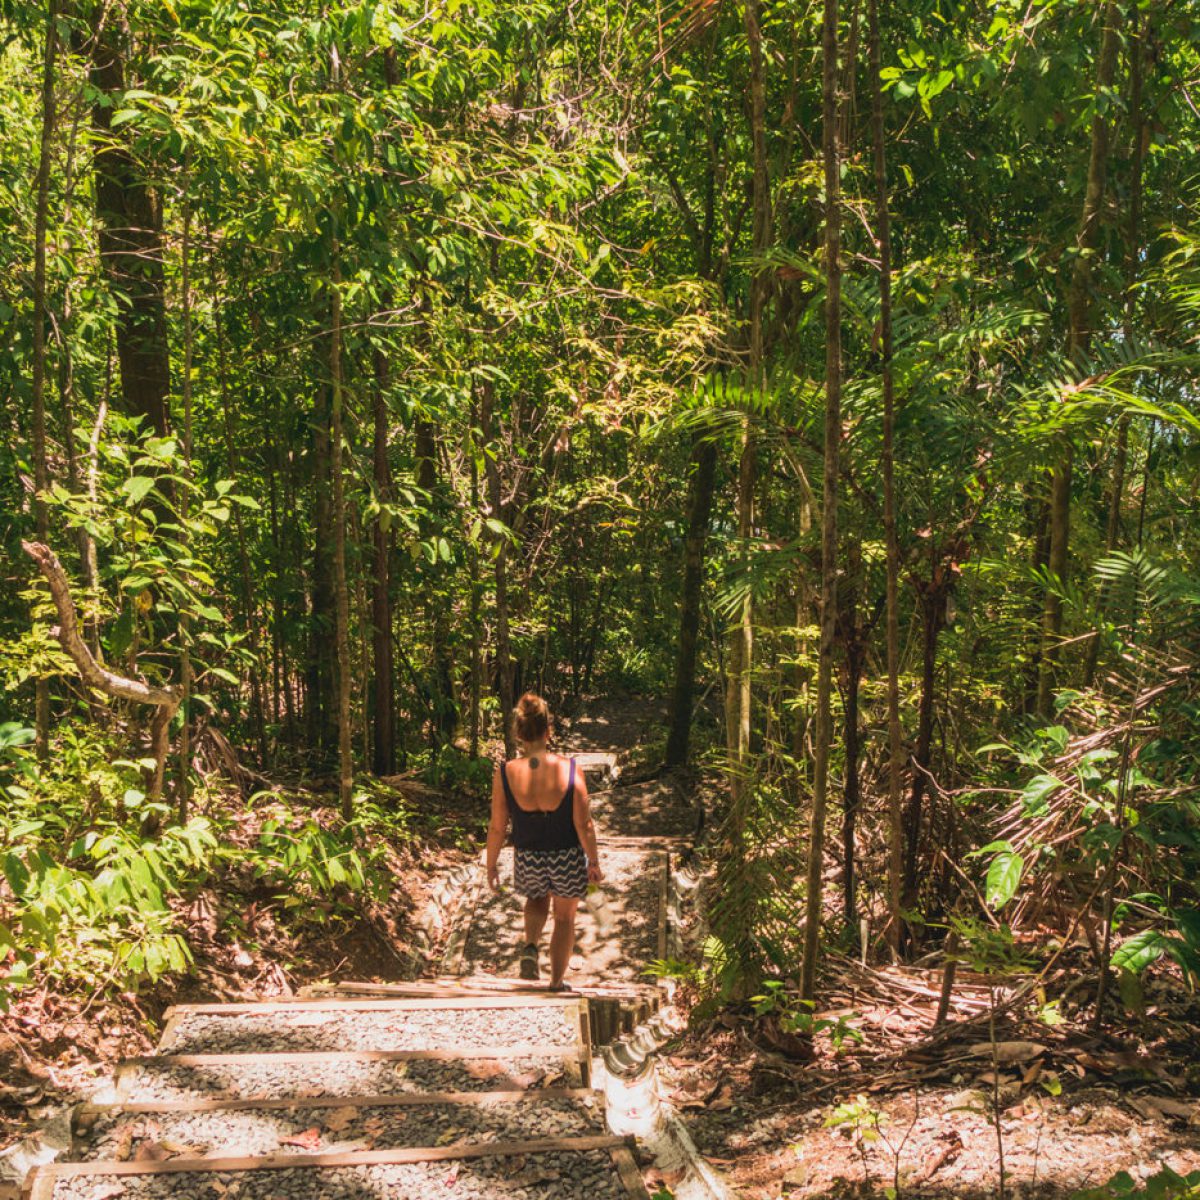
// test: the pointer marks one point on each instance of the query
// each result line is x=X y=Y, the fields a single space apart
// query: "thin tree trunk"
x=700 y=513
x=320 y=702
x=888 y=469
x=1132 y=249
x=933 y=611
x=1078 y=337
x=445 y=715
x=184 y=792
x=833 y=430
x=249 y=614
x=739 y=690
x=852 y=792
x=476 y=585
x=41 y=469
x=504 y=663
x=341 y=592
x=384 y=751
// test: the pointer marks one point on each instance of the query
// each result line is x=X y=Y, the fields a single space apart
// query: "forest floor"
x=909 y=1108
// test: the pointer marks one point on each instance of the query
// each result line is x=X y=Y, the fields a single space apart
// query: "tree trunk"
x=341 y=591
x=888 y=470
x=184 y=791
x=853 y=637
x=383 y=760
x=933 y=612
x=320 y=703
x=832 y=438
x=41 y=469
x=1078 y=337
x=739 y=691
x=249 y=613
x=1132 y=251
x=445 y=714
x=504 y=663
x=129 y=221
x=700 y=512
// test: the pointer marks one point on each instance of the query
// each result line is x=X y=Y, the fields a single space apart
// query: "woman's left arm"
x=586 y=827
x=497 y=831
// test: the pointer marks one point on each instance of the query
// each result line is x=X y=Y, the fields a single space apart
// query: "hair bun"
x=531 y=718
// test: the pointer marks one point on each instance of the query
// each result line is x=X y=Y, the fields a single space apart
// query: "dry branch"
x=165 y=699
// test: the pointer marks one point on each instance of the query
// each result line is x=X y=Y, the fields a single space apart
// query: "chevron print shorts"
x=537 y=873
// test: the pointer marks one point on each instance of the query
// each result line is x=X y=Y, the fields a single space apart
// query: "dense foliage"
x=368 y=363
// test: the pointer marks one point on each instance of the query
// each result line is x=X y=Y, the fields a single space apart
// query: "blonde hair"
x=531 y=718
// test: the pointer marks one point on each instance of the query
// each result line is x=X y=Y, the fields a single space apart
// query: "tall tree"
x=129 y=222
x=699 y=515
x=41 y=467
x=831 y=158
x=1079 y=304
x=883 y=237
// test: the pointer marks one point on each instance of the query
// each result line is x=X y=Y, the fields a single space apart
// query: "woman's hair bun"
x=531 y=718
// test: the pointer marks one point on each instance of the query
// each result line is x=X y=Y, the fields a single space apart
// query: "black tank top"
x=539 y=830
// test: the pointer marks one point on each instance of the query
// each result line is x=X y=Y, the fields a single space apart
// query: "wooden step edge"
x=40 y=1185
x=652 y=842
x=386 y=1100
x=282 y=1057
x=418 y=1003
x=471 y=985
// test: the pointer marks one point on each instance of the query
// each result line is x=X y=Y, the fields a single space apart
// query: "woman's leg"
x=562 y=940
x=537 y=909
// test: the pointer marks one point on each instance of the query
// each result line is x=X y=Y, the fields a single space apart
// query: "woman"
x=545 y=797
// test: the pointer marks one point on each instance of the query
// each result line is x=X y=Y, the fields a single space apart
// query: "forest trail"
x=468 y=1084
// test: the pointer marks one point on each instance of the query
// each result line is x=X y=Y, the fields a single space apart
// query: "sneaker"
x=529 y=962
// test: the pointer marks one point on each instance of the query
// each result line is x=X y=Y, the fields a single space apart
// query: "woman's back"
x=541 y=802
x=540 y=788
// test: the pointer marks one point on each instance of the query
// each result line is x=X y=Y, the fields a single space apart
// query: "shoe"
x=529 y=962
x=561 y=986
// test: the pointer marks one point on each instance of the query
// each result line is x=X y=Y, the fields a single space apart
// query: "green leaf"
x=1135 y=954
x=137 y=488
x=1004 y=877
x=1035 y=793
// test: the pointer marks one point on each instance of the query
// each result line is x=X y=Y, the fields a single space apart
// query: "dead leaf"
x=935 y=1161
x=723 y=1100
x=1171 y=1108
x=339 y=1118
x=152 y=1152
x=1032 y=1072
x=514 y=1165
x=124 y=1143
x=451 y=1176
x=310 y=1139
x=1009 y=1052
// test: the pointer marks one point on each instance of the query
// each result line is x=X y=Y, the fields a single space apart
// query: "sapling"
x=991 y=951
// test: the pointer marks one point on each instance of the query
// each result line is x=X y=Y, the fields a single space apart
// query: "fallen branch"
x=165 y=699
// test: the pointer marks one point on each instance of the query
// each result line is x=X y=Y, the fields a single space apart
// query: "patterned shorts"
x=537 y=873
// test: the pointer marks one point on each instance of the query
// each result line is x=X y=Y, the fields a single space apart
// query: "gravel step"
x=116 y=1134
x=544 y=1175
x=286 y=1030
x=256 y=1077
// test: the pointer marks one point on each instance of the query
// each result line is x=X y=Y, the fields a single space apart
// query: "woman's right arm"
x=497 y=829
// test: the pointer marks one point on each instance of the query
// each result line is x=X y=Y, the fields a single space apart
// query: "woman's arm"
x=586 y=827
x=497 y=829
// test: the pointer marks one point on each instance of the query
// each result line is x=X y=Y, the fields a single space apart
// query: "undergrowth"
x=95 y=877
